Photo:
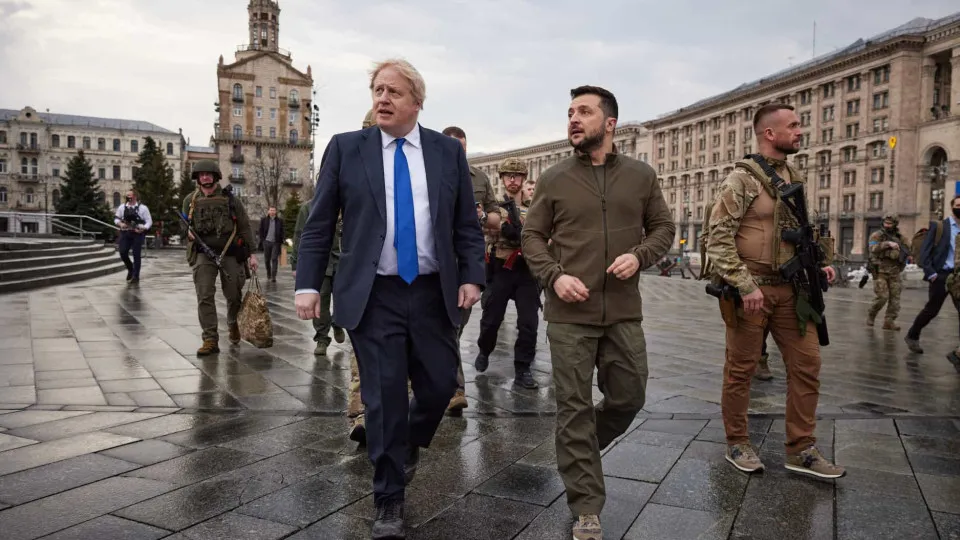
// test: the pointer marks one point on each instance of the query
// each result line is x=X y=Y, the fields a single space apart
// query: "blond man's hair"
x=408 y=72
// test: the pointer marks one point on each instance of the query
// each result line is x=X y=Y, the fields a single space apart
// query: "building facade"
x=631 y=139
x=35 y=148
x=263 y=139
x=881 y=121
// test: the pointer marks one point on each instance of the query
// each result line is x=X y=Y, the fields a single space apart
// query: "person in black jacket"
x=271 y=238
x=938 y=260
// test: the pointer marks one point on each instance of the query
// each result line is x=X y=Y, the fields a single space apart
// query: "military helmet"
x=512 y=165
x=208 y=166
x=892 y=218
x=369 y=119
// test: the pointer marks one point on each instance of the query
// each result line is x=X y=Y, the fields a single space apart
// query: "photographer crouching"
x=134 y=221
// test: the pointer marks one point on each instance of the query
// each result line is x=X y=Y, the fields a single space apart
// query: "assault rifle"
x=213 y=255
x=803 y=269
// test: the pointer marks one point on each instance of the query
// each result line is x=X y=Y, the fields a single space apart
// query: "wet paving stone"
x=234 y=526
x=658 y=522
x=39 y=482
x=420 y=506
x=196 y=466
x=534 y=485
x=301 y=504
x=108 y=526
x=35 y=455
x=59 y=429
x=622 y=461
x=147 y=452
x=477 y=517
x=948 y=525
x=777 y=497
x=868 y=516
x=340 y=526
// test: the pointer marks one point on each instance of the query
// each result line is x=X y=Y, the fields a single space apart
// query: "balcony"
x=236 y=178
x=237 y=99
x=293 y=103
x=28 y=148
x=236 y=158
x=27 y=178
x=230 y=137
x=256 y=47
x=293 y=182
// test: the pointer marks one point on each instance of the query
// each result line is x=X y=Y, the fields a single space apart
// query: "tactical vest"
x=131 y=214
x=776 y=250
x=212 y=218
x=503 y=248
x=888 y=260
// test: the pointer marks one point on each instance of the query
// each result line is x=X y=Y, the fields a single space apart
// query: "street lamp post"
x=314 y=118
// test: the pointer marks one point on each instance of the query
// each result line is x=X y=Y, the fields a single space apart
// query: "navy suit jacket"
x=933 y=257
x=351 y=181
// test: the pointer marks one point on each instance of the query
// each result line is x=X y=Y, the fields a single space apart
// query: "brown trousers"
x=801 y=356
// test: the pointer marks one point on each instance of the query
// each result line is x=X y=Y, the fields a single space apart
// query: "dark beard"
x=787 y=150
x=589 y=143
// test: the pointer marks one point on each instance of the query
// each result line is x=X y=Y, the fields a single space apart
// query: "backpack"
x=917 y=242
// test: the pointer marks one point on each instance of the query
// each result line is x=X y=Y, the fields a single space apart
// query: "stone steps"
x=32 y=263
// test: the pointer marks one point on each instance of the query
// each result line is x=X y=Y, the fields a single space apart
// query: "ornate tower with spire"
x=264 y=24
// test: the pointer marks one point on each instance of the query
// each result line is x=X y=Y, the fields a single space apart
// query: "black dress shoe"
x=481 y=363
x=129 y=275
x=410 y=467
x=389 y=522
x=526 y=380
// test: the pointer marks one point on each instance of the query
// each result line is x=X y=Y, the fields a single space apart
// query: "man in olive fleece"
x=607 y=219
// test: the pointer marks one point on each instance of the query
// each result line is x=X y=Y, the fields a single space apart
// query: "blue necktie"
x=404 y=226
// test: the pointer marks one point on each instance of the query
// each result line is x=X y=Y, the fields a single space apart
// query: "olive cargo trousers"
x=801 y=356
x=619 y=354
x=232 y=278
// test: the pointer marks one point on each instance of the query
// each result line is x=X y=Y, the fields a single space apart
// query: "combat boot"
x=891 y=325
x=339 y=335
x=763 y=369
x=210 y=346
x=321 y=349
x=457 y=403
x=870 y=320
x=234 y=333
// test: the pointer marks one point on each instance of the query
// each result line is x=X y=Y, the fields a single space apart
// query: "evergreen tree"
x=184 y=191
x=153 y=181
x=80 y=194
x=290 y=211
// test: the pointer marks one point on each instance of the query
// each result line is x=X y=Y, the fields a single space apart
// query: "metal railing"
x=85 y=226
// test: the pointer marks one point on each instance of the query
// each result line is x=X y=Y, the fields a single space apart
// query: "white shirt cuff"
x=306 y=291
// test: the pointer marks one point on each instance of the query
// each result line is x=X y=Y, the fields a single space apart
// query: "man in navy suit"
x=937 y=260
x=411 y=258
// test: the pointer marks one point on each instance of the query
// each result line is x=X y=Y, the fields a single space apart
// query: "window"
x=849 y=178
x=699 y=194
x=3 y=194
x=699 y=212
x=3 y=137
x=23 y=139
x=881 y=75
x=828 y=113
x=824 y=204
x=716 y=123
x=853 y=130
x=259 y=111
x=34 y=168
x=237 y=92
x=294 y=97
x=135 y=173
x=715 y=158
x=273 y=93
x=746 y=133
x=876 y=200
x=237 y=173
x=805 y=97
x=116 y=199
x=55 y=141
x=881 y=100
x=853 y=83
x=879 y=149
x=102 y=173
x=273 y=114
x=687 y=147
x=116 y=145
x=660 y=168
x=273 y=133
x=293 y=175
x=825 y=181
x=879 y=124
x=849 y=201
x=701 y=160
x=828 y=90
x=134 y=146
x=853 y=107
x=716 y=140
x=56 y=197
x=702 y=143
x=673 y=197
x=686 y=163
x=55 y=173
x=71 y=141
x=674 y=149
x=824 y=157
x=826 y=135
x=169 y=149
x=293 y=136
x=86 y=143
x=747 y=149
x=849 y=153
x=729 y=155
x=806 y=139
x=24 y=166
x=3 y=165
x=116 y=172
x=29 y=193
x=876 y=175
x=805 y=118
x=237 y=131
x=101 y=144
x=259 y=91
x=238 y=111
x=731 y=137
x=259 y=131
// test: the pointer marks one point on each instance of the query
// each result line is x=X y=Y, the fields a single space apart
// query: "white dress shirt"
x=426 y=252
x=143 y=212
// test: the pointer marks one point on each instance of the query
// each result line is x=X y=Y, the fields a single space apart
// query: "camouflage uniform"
x=221 y=222
x=744 y=249
x=322 y=324
x=887 y=263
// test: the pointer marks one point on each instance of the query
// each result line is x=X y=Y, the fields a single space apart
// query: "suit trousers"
x=936 y=295
x=403 y=333
x=464 y=319
x=131 y=240
x=271 y=254
x=801 y=356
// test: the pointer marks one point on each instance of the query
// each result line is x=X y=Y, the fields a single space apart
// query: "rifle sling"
x=779 y=183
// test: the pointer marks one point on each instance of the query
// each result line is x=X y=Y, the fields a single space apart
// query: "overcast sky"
x=500 y=69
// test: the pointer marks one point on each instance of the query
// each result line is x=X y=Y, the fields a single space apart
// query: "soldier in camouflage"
x=511 y=279
x=487 y=213
x=220 y=220
x=888 y=258
x=745 y=249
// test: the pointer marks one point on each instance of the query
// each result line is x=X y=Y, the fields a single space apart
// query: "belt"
x=769 y=280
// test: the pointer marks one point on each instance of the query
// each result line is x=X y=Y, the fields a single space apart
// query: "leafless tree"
x=269 y=172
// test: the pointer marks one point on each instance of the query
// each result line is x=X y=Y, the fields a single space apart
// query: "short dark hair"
x=454 y=131
x=608 y=103
x=954 y=199
x=767 y=110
